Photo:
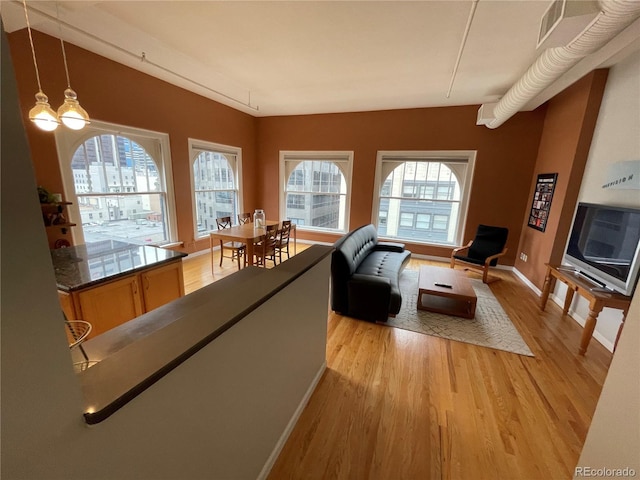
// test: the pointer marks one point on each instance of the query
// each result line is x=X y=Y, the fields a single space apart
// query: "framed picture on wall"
x=541 y=203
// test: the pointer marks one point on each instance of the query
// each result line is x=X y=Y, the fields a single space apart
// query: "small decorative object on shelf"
x=53 y=213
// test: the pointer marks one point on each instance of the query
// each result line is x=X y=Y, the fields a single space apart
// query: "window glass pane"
x=420 y=201
x=320 y=194
x=215 y=189
x=114 y=164
x=295 y=201
x=115 y=180
x=135 y=218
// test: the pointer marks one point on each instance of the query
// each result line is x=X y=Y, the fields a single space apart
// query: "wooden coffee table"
x=457 y=299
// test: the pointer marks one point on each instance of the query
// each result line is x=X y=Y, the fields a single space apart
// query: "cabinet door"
x=66 y=302
x=162 y=285
x=111 y=304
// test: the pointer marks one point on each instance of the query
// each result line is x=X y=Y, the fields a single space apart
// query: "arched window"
x=120 y=189
x=422 y=196
x=215 y=179
x=315 y=186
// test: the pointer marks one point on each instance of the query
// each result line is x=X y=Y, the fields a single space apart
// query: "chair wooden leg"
x=221 y=253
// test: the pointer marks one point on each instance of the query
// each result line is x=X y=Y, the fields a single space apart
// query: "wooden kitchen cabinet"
x=162 y=285
x=111 y=304
x=112 y=282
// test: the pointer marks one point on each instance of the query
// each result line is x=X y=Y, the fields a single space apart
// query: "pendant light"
x=70 y=112
x=42 y=115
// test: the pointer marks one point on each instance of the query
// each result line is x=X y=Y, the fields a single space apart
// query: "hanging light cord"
x=33 y=50
x=140 y=57
x=64 y=53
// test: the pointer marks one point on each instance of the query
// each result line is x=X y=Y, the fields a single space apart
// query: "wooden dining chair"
x=244 y=218
x=265 y=248
x=282 y=245
x=237 y=249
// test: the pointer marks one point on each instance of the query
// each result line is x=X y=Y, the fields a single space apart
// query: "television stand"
x=597 y=296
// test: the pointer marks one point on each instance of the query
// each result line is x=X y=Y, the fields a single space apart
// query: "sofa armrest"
x=389 y=247
x=369 y=297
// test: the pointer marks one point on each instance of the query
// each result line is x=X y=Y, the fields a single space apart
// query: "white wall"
x=616 y=138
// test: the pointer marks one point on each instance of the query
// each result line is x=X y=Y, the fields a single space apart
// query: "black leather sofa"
x=364 y=275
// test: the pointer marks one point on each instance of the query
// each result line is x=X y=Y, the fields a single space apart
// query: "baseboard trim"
x=526 y=281
x=606 y=343
x=292 y=423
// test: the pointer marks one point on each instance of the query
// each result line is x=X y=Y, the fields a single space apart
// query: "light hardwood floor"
x=395 y=404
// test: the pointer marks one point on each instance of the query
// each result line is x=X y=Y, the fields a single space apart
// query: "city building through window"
x=117 y=180
x=316 y=189
x=216 y=175
x=422 y=197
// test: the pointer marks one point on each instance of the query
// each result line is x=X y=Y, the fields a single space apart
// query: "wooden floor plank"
x=399 y=404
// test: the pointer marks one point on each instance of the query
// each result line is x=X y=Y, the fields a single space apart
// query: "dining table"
x=247 y=233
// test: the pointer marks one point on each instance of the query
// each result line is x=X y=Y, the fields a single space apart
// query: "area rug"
x=491 y=326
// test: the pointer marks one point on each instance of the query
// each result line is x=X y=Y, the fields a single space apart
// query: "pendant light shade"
x=43 y=115
x=71 y=113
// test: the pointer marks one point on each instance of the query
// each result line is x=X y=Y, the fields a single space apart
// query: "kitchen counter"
x=109 y=283
x=83 y=266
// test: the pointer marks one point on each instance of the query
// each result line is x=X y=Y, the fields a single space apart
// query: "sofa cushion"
x=355 y=246
x=387 y=264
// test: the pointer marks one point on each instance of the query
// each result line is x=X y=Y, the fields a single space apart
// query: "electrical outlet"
x=523 y=256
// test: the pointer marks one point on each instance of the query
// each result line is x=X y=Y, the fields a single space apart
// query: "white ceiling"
x=300 y=57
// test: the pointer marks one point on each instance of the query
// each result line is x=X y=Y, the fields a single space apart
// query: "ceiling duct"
x=563 y=20
x=614 y=16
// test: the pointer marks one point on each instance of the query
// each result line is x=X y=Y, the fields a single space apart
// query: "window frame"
x=343 y=160
x=384 y=157
x=195 y=147
x=156 y=144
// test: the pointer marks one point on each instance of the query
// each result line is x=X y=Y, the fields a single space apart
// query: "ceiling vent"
x=564 y=20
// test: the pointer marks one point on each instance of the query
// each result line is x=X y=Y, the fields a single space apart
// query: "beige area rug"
x=491 y=326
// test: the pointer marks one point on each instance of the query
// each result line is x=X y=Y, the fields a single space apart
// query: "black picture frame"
x=541 y=202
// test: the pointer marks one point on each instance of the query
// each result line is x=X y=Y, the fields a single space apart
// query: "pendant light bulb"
x=43 y=115
x=71 y=113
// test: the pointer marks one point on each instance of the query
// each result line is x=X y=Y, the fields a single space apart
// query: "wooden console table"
x=598 y=299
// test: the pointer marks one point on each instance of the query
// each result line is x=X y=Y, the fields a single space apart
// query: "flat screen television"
x=604 y=245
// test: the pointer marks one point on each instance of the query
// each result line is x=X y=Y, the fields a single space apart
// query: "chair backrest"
x=285 y=233
x=271 y=237
x=77 y=331
x=266 y=245
x=489 y=241
x=223 y=222
x=244 y=218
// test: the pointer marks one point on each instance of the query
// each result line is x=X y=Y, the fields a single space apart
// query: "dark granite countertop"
x=83 y=266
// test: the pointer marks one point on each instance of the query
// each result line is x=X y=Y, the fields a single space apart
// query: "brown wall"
x=114 y=93
x=502 y=177
x=508 y=158
x=564 y=148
